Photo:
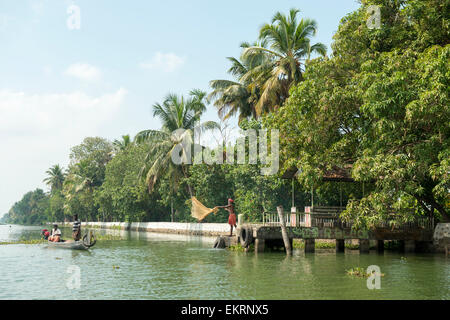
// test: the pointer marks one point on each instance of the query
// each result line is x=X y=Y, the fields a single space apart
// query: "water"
x=161 y=266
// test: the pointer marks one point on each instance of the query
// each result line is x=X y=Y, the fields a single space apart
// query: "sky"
x=63 y=79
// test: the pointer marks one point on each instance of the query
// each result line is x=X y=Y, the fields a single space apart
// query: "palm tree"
x=289 y=43
x=55 y=178
x=241 y=95
x=78 y=179
x=120 y=145
x=179 y=117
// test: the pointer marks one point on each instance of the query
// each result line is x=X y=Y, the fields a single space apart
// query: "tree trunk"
x=188 y=185
x=424 y=200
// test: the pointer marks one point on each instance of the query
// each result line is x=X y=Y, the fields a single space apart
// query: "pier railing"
x=322 y=219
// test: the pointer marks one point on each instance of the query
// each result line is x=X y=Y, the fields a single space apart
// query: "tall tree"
x=179 y=117
x=85 y=175
x=289 y=42
x=55 y=178
x=122 y=144
x=241 y=95
x=379 y=107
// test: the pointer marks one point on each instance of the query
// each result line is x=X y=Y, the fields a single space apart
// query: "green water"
x=155 y=266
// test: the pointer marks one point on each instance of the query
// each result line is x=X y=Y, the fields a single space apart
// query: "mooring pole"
x=287 y=243
x=293 y=193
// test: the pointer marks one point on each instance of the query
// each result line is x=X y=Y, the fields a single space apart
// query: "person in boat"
x=45 y=234
x=56 y=234
x=76 y=229
x=232 y=215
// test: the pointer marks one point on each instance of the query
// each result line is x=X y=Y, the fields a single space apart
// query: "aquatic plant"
x=35 y=241
x=359 y=272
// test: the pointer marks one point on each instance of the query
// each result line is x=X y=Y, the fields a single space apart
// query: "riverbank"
x=198 y=229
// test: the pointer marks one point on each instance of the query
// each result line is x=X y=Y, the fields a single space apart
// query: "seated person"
x=56 y=234
x=45 y=233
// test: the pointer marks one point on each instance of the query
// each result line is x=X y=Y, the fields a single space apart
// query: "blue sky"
x=59 y=85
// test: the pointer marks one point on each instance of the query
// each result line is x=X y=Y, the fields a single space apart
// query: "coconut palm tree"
x=289 y=42
x=120 y=145
x=78 y=179
x=55 y=178
x=179 y=117
x=241 y=95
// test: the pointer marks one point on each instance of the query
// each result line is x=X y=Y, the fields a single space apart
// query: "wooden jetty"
x=324 y=223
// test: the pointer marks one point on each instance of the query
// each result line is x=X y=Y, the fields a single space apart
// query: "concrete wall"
x=205 y=229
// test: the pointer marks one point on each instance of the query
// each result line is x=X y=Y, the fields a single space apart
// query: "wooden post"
x=293 y=193
x=259 y=245
x=89 y=235
x=287 y=243
x=340 y=245
x=364 y=246
x=380 y=246
x=409 y=246
x=310 y=245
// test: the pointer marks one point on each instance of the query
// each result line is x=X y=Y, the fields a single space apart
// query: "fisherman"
x=232 y=215
x=76 y=229
x=56 y=234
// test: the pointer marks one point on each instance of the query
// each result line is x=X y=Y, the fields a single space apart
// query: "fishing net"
x=199 y=211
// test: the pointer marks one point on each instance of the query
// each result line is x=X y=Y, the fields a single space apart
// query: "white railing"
x=332 y=220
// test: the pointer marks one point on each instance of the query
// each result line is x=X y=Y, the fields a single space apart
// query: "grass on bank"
x=34 y=241
x=299 y=244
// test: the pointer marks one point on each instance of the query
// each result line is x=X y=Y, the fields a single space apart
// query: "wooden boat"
x=74 y=245
x=88 y=241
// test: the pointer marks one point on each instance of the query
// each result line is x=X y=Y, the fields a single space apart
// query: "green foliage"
x=179 y=117
x=359 y=272
x=281 y=64
x=55 y=178
x=378 y=108
x=33 y=208
x=88 y=160
x=85 y=176
x=122 y=196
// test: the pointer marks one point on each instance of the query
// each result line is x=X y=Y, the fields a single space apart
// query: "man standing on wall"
x=232 y=216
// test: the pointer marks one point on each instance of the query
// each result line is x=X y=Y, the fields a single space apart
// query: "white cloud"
x=84 y=71
x=47 y=113
x=38 y=130
x=166 y=62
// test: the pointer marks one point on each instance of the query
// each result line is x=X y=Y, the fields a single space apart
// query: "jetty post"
x=287 y=242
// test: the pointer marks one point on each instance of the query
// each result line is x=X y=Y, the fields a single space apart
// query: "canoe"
x=74 y=245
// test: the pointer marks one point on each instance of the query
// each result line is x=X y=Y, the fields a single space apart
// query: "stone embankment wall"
x=204 y=229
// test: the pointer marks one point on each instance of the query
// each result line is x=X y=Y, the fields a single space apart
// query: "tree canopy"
x=378 y=107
